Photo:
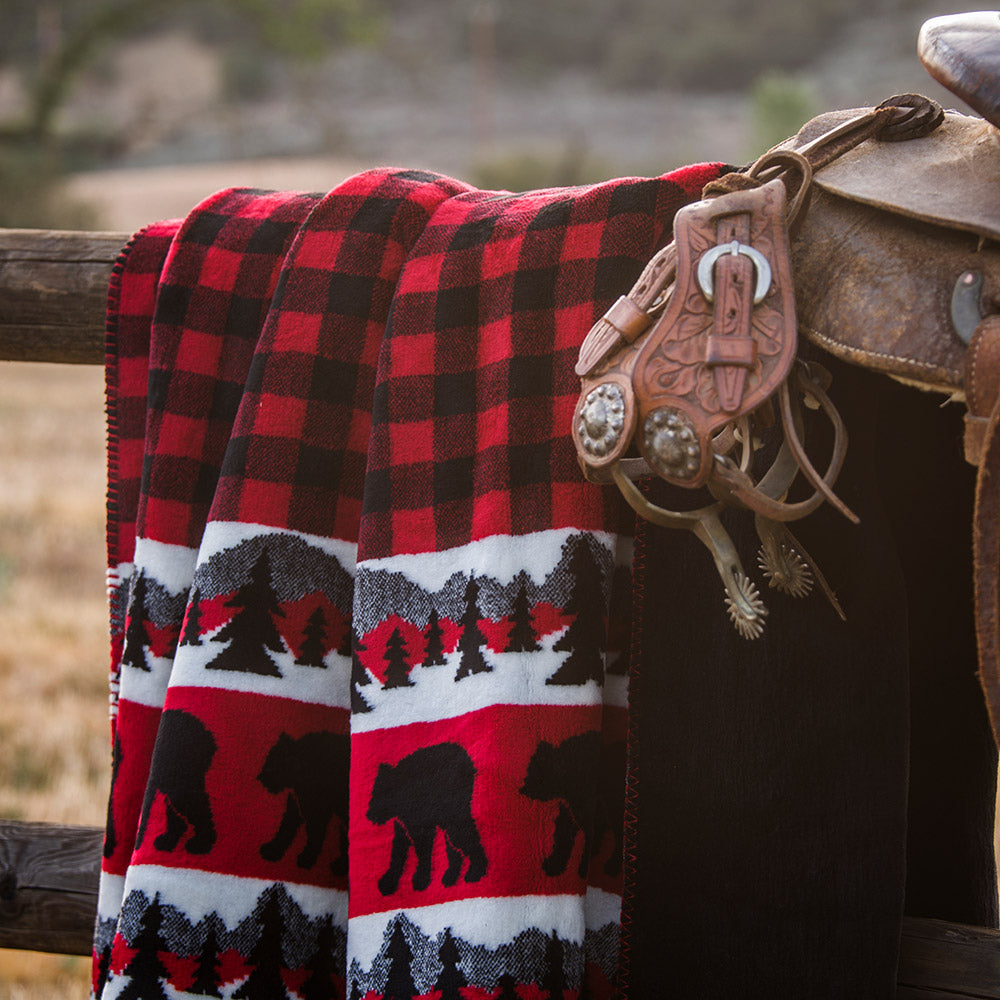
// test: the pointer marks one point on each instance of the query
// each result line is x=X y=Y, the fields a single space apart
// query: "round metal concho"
x=671 y=442
x=602 y=419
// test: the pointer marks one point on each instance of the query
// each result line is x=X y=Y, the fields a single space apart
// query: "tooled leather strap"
x=982 y=448
x=631 y=315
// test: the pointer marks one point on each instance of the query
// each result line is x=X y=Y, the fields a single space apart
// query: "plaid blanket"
x=369 y=622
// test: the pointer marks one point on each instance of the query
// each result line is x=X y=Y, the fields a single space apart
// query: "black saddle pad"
x=781 y=813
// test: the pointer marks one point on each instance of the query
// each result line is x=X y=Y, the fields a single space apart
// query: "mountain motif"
x=208 y=950
x=150 y=619
x=245 y=597
x=385 y=592
x=472 y=619
x=315 y=571
x=319 y=582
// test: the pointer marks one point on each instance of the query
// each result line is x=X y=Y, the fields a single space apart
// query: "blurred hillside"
x=509 y=93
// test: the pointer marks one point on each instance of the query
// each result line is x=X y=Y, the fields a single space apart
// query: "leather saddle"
x=873 y=234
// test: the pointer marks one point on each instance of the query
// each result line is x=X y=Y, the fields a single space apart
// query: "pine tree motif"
x=472 y=640
x=397 y=671
x=451 y=979
x=207 y=978
x=103 y=971
x=266 y=957
x=323 y=966
x=146 y=972
x=554 y=979
x=192 y=621
x=621 y=615
x=585 y=636
x=399 y=983
x=522 y=638
x=251 y=629
x=508 y=988
x=359 y=676
x=344 y=649
x=313 y=641
x=434 y=656
x=136 y=635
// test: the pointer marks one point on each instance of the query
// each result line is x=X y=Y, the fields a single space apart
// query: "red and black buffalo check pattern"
x=476 y=385
x=368 y=697
x=298 y=451
x=217 y=285
x=131 y=302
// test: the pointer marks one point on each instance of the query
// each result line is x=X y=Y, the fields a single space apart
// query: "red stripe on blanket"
x=287 y=786
x=492 y=803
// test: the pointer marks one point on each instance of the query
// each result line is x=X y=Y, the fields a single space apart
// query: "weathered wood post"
x=53 y=293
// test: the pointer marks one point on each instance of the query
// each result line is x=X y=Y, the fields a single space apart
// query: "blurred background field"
x=53 y=671
x=114 y=113
x=509 y=93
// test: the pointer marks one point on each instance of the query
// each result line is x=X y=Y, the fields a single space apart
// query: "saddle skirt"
x=897 y=259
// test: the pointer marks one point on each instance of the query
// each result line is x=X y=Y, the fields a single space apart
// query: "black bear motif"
x=427 y=791
x=313 y=769
x=181 y=758
x=610 y=817
x=589 y=786
x=110 y=838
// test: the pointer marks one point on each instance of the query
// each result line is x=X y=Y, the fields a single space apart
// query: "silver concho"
x=672 y=444
x=602 y=419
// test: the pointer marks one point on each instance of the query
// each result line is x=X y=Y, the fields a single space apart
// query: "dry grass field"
x=54 y=764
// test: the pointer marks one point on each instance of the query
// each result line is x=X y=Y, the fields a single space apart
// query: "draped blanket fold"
x=369 y=622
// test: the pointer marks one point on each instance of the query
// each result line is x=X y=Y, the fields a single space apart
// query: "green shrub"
x=779 y=104
x=33 y=198
x=529 y=170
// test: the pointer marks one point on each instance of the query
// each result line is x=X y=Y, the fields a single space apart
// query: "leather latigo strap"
x=982 y=387
x=982 y=448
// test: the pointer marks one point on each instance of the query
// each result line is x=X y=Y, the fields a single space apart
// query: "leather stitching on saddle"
x=839 y=350
x=972 y=383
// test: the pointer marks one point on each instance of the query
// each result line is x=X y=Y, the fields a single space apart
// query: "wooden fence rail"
x=48 y=886
x=53 y=294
